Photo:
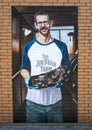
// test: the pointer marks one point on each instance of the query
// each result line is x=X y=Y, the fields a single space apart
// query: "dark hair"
x=42 y=12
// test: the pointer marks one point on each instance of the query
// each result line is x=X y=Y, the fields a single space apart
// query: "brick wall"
x=84 y=60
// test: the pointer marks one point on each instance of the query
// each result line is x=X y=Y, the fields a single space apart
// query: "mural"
x=60 y=96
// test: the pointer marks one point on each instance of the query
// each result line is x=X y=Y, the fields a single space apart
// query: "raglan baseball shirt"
x=41 y=58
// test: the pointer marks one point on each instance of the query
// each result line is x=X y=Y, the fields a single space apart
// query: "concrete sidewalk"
x=65 y=126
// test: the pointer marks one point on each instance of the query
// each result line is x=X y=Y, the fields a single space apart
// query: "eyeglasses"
x=44 y=22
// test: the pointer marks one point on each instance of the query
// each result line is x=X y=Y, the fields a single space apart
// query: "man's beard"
x=44 y=31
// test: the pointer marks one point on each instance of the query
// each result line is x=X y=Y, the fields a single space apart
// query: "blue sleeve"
x=65 y=60
x=25 y=59
x=63 y=48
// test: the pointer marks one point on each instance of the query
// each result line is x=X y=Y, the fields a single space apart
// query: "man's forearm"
x=25 y=73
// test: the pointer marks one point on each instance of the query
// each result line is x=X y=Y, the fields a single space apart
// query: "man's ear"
x=51 y=23
x=35 y=24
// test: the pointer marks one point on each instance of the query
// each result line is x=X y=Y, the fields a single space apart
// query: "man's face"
x=43 y=24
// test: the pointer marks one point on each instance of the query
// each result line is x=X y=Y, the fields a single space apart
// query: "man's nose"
x=43 y=24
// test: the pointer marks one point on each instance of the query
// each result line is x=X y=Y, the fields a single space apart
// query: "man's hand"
x=26 y=80
x=59 y=85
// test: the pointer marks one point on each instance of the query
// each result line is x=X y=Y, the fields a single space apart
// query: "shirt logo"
x=45 y=64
